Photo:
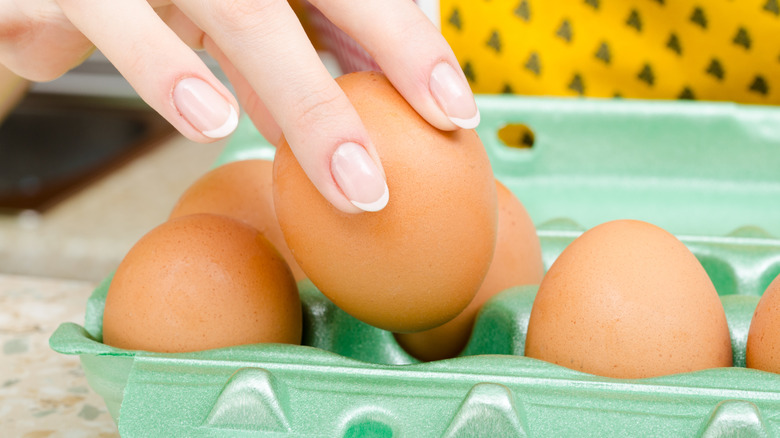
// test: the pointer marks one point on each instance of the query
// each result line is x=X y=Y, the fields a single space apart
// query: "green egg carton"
x=707 y=172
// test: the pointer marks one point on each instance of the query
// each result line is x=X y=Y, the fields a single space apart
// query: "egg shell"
x=763 y=342
x=418 y=262
x=200 y=282
x=241 y=190
x=627 y=299
x=517 y=261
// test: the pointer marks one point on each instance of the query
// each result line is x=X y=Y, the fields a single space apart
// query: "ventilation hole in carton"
x=721 y=274
x=369 y=429
x=517 y=135
x=369 y=422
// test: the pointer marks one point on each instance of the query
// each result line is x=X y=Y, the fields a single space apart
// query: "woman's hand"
x=269 y=60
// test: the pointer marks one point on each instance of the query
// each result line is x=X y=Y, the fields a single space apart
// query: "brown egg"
x=517 y=261
x=627 y=299
x=418 y=262
x=200 y=282
x=241 y=190
x=763 y=342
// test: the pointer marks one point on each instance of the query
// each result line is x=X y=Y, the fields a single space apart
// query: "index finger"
x=265 y=41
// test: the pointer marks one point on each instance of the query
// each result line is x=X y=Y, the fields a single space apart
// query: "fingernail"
x=359 y=178
x=205 y=108
x=454 y=96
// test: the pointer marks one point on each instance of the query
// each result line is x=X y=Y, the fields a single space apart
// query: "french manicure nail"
x=359 y=178
x=454 y=96
x=205 y=108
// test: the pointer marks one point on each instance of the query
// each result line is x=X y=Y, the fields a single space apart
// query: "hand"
x=270 y=62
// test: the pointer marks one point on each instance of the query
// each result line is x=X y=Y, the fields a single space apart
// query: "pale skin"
x=279 y=79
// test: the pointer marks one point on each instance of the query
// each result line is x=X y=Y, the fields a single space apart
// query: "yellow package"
x=686 y=49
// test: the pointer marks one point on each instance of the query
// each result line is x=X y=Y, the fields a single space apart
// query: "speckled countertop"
x=49 y=265
x=43 y=393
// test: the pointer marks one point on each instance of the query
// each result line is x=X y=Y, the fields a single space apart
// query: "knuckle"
x=13 y=32
x=16 y=28
x=137 y=64
x=317 y=105
x=239 y=14
x=410 y=27
x=38 y=43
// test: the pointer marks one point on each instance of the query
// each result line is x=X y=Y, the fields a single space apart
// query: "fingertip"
x=227 y=128
x=453 y=95
x=204 y=108
x=470 y=123
x=359 y=178
x=377 y=205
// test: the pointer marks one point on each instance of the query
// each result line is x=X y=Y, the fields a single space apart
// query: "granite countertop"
x=44 y=393
x=49 y=264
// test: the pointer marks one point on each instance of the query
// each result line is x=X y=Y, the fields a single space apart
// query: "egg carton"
x=707 y=172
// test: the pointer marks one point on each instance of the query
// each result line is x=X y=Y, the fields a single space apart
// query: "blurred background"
x=86 y=168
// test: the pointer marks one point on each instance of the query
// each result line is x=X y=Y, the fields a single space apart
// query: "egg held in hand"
x=517 y=261
x=627 y=299
x=200 y=282
x=418 y=262
x=241 y=190
x=763 y=342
